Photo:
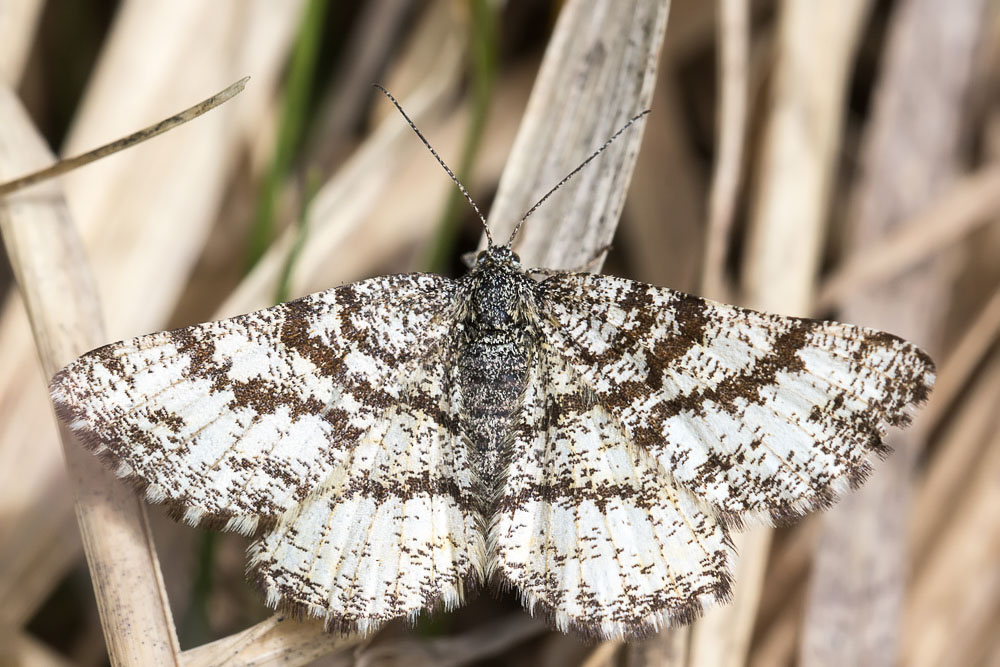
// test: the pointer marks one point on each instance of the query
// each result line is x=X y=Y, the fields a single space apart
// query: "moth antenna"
x=437 y=157
x=573 y=173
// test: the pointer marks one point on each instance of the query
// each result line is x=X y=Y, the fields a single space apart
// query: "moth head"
x=498 y=256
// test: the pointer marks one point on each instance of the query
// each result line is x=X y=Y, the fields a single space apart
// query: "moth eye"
x=517 y=258
x=482 y=253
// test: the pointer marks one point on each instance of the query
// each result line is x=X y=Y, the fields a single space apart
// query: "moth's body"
x=586 y=440
x=496 y=340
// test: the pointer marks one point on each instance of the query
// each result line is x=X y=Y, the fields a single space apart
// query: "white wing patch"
x=759 y=415
x=589 y=530
x=394 y=531
x=234 y=423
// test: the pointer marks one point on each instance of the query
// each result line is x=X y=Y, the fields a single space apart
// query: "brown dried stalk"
x=142 y=220
x=794 y=176
x=599 y=70
x=67 y=165
x=58 y=292
x=734 y=53
x=18 y=21
x=959 y=452
x=38 y=407
x=952 y=605
x=967 y=205
x=909 y=157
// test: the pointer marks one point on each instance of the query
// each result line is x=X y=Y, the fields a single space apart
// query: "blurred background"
x=825 y=158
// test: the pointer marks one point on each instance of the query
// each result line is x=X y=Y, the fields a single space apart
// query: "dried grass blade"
x=953 y=603
x=59 y=294
x=852 y=614
x=734 y=53
x=959 y=451
x=972 y=202
x=143 y=215
x=598 y=71
x=24 y=650
x=965 y=358
x=788 y=222
x=276 y=641
x=475 y=645
x=69 y=164
x=18 y=20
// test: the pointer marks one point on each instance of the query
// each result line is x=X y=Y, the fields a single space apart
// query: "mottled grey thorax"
x=495 y=351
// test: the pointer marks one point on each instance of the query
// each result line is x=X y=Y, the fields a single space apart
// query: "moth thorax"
x=496 y=303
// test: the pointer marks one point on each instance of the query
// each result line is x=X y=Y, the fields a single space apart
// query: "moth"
x=589 y=441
